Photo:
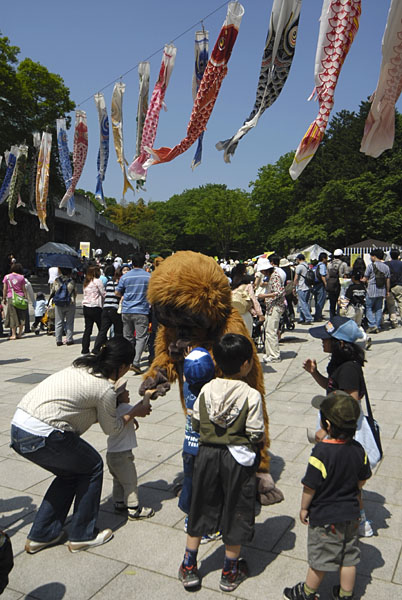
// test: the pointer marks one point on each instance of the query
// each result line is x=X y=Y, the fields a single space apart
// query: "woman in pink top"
x=15 y=317
x=94 y=293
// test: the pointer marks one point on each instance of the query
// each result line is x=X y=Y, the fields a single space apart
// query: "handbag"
x=17 y=301
x=372 y=423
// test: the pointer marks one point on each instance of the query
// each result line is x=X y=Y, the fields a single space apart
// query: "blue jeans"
x=320 y=295
x=374 y=311
x=185 y=494
x=304 y=309
x=79 y=473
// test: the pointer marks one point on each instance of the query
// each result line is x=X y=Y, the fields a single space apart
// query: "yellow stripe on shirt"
x=318 y=464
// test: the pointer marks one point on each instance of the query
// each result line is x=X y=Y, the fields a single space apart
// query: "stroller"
x=258 y=333
x=287 y=321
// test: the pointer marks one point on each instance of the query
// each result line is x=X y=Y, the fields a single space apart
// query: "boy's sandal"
x=141 y=512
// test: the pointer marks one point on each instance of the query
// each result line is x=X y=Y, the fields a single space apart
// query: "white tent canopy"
x=310 y=252
x=56 y=248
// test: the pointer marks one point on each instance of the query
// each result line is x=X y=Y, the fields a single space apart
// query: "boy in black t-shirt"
x=337 y=470
x=356 y=294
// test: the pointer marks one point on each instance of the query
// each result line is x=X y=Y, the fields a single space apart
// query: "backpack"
x=62 y=297
x=241 y=299
x=333 y=277
x=380 y=277
x=309 y=278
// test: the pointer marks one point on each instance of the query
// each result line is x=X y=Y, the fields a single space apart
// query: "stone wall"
x=86 y=226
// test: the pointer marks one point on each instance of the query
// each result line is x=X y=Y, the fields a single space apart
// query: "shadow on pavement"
x=49 y=591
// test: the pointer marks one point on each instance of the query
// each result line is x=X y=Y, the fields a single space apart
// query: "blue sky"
x=92 y=43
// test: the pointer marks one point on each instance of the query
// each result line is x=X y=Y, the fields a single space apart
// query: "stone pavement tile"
x=158 y=451
x=158 y=415
x=283 y=418
x=386 y=518
x=292 y=473
x=10 y=594
x=154 y=431
x=269 y=529
x=5 y=425
x=280 y=395
x=398 y=433
x=27 y=474
x=295 y=434
x=176 y=437
x=391 y=447
x=132 y=544
x=388 y=430
x=162 y=477
x=175 y=419
x=391 y=467
x=379 y=557
x=81 y=574
x=275 y=430
x=140 y=583
x=288 y=450
x=177 y=459
x=290 y=407
x=374 y=589
x=96 y=438
x=17 y=508
x=397 y=578
x=304 y=455
x=290 y=506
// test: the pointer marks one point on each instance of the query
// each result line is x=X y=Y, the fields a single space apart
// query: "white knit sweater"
x=74 y=399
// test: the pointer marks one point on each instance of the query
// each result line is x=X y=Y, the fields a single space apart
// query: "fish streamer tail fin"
x=306 y=150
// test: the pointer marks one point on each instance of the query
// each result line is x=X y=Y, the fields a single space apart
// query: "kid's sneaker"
x=365 y=529
x=211 y=537
x=230 y=581
x=297 y=593
x=335 y=593
x=189 y=576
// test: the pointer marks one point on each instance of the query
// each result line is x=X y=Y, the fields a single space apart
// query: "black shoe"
x=59 y=343
x=335 y=593
x=69 y=343
x=297 y=593
x=230 y=581
x=189 y=576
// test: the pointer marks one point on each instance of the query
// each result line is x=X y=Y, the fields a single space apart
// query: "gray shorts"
x=332 y=546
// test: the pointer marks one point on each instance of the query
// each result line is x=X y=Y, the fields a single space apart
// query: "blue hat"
x=340 y=328
x=198 y=366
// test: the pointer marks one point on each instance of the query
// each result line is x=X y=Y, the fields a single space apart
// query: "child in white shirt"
x=120 y=458
x=40 y=309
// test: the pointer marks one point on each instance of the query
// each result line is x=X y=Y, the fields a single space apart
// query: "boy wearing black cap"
x=337 y=470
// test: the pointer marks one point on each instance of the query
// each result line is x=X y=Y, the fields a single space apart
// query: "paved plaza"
x=143 y=558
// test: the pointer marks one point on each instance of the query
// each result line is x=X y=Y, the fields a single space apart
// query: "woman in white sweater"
x=46 y=429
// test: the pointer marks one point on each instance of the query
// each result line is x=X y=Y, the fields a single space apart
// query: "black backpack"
x=309 y=278
x=62 y=297
x=380 y=277
x=333 y=284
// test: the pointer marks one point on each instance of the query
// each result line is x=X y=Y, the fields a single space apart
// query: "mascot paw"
x=160 y=383
x=267 y=491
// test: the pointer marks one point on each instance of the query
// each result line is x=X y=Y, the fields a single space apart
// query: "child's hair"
x=336 y=432
x=115 y=353
x=231 y=351
x=40 y=296
x=344 y=352
x=356 y=275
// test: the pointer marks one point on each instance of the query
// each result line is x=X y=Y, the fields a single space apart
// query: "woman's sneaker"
x=297 y=593
x=32 y=547
x=189 y=576
x=230 y=581
x=103 y=536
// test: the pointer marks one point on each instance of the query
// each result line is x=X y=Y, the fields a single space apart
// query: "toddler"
x=120 y=458
x=40 y=309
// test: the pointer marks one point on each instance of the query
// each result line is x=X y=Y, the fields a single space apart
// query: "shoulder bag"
x=18 y=301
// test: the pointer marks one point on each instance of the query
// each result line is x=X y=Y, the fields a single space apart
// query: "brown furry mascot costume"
x=191 y=298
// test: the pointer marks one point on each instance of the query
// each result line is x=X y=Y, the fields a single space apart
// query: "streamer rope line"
x=155 y=53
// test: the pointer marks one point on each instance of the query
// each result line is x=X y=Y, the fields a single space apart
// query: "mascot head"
x=189 y=291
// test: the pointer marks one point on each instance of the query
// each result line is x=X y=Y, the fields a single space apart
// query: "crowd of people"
x=224 y=425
